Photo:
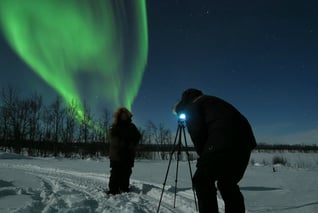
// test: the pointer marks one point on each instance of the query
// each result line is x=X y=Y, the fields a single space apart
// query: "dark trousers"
x=119 y=177
x=225 y=170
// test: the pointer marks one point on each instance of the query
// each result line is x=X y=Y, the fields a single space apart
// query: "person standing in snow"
x=124 y=138
x=223 y=139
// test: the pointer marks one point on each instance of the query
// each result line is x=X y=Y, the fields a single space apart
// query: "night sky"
x=261 y=56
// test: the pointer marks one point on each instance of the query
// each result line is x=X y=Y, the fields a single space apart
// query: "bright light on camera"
x=182 y=117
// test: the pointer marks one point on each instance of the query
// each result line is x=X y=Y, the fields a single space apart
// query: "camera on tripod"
x=182 y=117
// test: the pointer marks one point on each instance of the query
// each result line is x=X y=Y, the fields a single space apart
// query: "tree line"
x=28 y=125
x=287 y=147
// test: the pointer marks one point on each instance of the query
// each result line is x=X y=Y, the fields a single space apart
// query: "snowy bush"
x=279 y=160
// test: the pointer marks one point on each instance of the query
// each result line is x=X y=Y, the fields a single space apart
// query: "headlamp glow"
x=182 y=117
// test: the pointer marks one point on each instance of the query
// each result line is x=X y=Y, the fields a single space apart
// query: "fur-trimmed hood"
x=120 y=111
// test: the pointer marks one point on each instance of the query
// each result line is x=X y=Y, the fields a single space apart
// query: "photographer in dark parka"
x=223 y=139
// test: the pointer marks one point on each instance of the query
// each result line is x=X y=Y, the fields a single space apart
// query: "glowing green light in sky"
x=95 y=47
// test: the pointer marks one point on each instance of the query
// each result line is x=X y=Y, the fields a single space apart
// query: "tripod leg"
x=169 y=164
x=176 y=180
x=191 y=174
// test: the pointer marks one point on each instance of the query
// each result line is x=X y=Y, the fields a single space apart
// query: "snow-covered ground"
x=73 y=185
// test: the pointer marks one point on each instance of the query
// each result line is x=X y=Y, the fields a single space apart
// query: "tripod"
x=177 y=147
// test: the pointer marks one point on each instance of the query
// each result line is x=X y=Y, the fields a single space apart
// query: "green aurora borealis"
x=97 y=47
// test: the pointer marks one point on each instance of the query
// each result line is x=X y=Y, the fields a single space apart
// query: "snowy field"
x=73 y=185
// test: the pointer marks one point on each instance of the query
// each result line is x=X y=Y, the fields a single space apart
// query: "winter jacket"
x=124 y=138
x=216 y=126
